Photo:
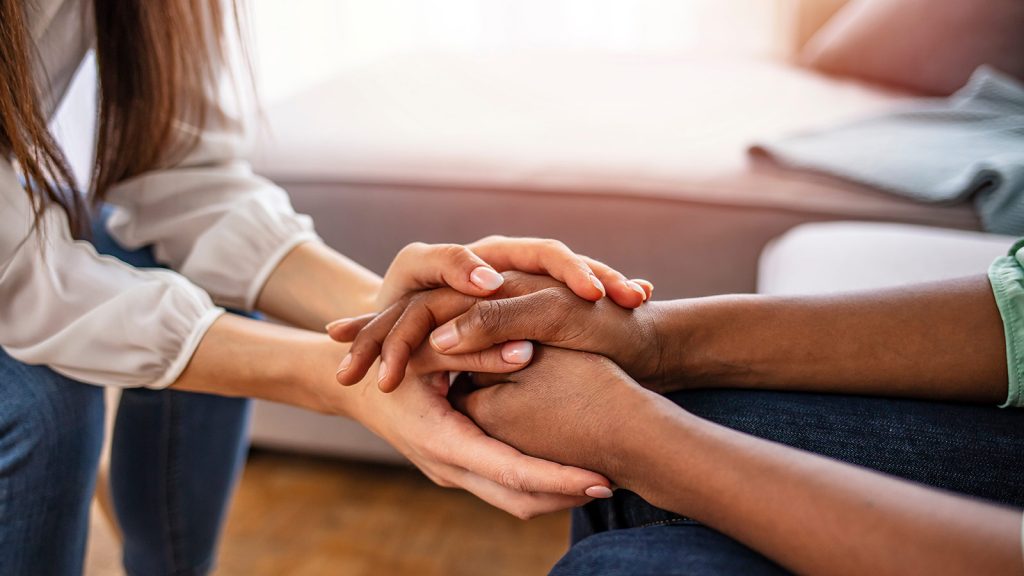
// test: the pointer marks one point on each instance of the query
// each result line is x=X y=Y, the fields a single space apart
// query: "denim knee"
x=676 y=549
x=51 y=434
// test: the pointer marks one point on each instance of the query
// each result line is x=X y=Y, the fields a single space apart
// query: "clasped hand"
x=404 y=397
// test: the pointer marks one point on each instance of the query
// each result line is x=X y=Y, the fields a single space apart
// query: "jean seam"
x=168 y=478
x=175 y=527
x=668 y=522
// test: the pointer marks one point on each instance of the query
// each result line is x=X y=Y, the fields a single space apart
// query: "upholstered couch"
x=834 y=257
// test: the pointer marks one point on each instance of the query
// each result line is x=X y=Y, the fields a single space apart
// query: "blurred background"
x=351 y=33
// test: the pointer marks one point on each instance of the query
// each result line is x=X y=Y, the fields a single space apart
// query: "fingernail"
x=444 y=337
x=382 y=372
x=486 y=278
x=517 y=352
x=638 y=289
x=645 y=284
x=337 y=323
x=597 y=284
x=345 y=363
x=599 y=492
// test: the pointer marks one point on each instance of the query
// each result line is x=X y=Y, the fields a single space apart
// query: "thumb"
x=420 y=266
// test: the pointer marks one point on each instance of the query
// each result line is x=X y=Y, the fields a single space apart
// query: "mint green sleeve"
x=1007 y=277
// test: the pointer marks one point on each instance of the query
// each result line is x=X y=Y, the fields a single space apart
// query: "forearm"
x=940 y=341
x=314 y=285
x=811 y=514
x=244 y=357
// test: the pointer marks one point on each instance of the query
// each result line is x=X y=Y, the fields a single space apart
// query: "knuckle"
x=411 y=249
x=550 y=296
x=443 y=482
x=491 y=239
x=488 y=317
x=523 y=511
x=455 y=252
x=511 y=478
x=365 y=343
x=554 y=245
x=438 y=479
x=396 y=347
x=555 y=303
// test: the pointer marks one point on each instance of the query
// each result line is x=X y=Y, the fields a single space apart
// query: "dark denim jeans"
x=175 y=458
x=973 y=450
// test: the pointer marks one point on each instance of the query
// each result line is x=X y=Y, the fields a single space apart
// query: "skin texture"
x=810 y=514
x=941 y=341
x=296 y=364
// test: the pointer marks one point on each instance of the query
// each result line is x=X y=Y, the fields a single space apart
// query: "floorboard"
x=306 y=516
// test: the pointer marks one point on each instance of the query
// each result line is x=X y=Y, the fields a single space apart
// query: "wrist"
x=657 y=455
x=673 y=350
x=314 y=285
x=317 y=382
x=700 y=343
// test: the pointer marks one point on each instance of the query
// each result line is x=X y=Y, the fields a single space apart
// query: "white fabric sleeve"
x=92 y=318
x=210 y=218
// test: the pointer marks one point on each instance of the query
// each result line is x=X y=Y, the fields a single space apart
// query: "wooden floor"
x=301 y=515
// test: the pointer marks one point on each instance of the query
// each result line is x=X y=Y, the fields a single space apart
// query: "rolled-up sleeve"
x=1006 y=274
x=90 y=317
x=210 y=218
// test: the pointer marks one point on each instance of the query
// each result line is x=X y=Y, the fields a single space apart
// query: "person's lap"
x=972 y=450
x=174 y=459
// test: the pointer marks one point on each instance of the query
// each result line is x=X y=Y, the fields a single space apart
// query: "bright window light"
x=302 y=41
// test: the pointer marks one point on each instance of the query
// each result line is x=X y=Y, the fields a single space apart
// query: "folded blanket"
x=967 y=146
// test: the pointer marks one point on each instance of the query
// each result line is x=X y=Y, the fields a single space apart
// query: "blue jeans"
x=174 y=462
x=973 y=450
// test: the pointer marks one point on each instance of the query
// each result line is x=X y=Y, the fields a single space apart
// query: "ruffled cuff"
x=142 y=336
x=233 y=259
x=187 y=349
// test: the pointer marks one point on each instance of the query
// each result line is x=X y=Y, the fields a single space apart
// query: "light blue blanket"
x=967 y=146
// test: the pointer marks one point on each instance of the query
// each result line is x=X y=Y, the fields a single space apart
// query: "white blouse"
x=209 y=218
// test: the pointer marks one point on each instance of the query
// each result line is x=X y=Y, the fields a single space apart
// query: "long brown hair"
x=159 y=64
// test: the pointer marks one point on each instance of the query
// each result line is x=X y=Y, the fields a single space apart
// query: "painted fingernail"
x=486 y=278
x=647 y=285
x=444 y=337
x=637 y=288
x=517 y=352
x=382 y=372
x=599 y=492
x=597 y=284
x=345 y=363
x=337 y=324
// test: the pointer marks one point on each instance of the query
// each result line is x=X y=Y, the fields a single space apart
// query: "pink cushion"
x=931 y=46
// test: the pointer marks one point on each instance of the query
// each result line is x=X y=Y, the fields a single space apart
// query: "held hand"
x=473 y=270
x=563 y=407
x=401 y=328
x=526 y=307
x=419 y=421
x=556 y=317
